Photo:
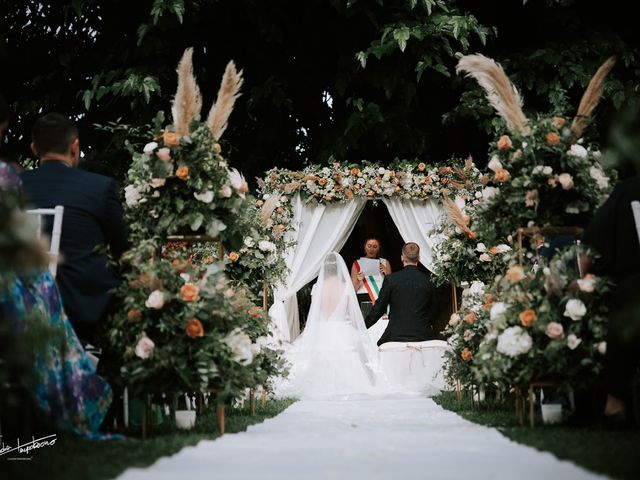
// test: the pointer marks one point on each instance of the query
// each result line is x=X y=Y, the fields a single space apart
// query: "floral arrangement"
x=461 y=256
x=544 y=325
x=184 y=327
x=465 y=330
x=541 y=171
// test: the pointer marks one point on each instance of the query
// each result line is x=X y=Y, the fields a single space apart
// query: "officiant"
x=368 y=272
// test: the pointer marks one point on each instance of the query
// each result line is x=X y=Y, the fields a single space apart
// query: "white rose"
x=494 y=164
x=249 y=242
x=577 y=151
x=186 y=277
x=266 y=246
x=490 y=192
x=235 y=178
x=514 y=341
x=485 y=257
x=587 y=284
x=155 y=300
x=240 y=345
x=573 y=341
x=468 y=335
x=150 y=147
x=476 y=288
x=497 y=310
x=157 y=182
x=478 y=194
x=598 y=175
x=132 y=196
x=602 y=347
x=381 y=170
x=454 y=319
x=547 y=170
x=481 y=247
x=575 y=309
x=503 y=248
x=144 y=348
x=225 y=191
x=205 y=197
x=566 y=181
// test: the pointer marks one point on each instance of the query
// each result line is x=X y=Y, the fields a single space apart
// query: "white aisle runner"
x=391 y=438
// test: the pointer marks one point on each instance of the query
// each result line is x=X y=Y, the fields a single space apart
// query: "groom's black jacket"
x=409 y=293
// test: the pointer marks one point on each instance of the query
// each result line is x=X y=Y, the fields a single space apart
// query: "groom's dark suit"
x=409 y=293
x=92 y=217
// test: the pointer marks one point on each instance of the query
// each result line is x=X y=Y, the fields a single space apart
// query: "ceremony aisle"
x=406 y=438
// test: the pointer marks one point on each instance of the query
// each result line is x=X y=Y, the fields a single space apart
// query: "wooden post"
x=220 y=251
x=454 y=298
x=532 y=398
x=263 y=400
x=458 y=391
x=265 y=296
x=220 y=418
x=252 y=401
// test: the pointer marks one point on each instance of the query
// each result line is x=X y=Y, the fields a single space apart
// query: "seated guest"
x=92 y=218
x=66 y=386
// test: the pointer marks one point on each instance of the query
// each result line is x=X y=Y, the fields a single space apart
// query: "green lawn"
x=72 y=458
x=612 y=452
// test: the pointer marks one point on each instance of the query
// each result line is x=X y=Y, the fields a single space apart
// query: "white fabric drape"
x=416 y=221
x=317 y=230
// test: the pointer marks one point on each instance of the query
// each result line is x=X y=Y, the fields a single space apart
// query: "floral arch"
x=315 y=210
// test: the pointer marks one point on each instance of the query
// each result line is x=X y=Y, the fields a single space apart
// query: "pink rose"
x=554 y=330
x=164 y=154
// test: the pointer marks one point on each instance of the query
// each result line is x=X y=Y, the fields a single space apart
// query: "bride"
x=334 y=356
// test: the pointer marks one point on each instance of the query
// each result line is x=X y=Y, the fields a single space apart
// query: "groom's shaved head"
x=411 y=252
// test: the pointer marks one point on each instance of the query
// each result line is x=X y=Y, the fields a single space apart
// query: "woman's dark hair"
x=372 y=237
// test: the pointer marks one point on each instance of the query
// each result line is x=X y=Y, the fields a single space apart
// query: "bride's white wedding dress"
x=335 y=356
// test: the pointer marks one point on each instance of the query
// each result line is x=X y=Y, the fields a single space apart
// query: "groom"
x=409 y=293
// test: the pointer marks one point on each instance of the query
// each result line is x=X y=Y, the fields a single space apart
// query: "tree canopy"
x=353 y=79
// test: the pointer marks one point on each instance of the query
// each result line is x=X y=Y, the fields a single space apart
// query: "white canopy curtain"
x=416 y=221
x=317 y=229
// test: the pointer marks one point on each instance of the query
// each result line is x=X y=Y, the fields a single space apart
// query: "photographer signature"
x=25 y=448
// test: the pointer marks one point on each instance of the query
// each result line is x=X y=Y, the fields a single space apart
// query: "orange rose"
x=427 y=179
x=217 y=149
x=493 y=250
x=470 y=318
x=488 y=299
x=502 y=175
x=134 y=314
x=322 y=181
x=444 y=180
x=281 y=228
x=170 y=139
x=327 y=198
x=558 y=122
x=194 y=328
x=527 y=317
x=182 y=172
x=234 y=256
x=421 y=167
x=208 y=260
x=552 y=138
x=356 y=187
x=189 y=292
x=280 y=210
x=397 y=189
x=348 y=193
x=370 y=193
x=179 y=265
x=504 y=143
x=355 y=171
x=255 y=312
x=466 y=355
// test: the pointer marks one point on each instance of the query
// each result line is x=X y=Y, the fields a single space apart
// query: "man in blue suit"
x=92 y=218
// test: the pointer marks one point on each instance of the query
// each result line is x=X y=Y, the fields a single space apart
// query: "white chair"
x=415 y=366
x=54 y=250
x=635 y=206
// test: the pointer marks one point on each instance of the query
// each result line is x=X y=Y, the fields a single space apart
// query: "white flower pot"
x=185 y=419
x=551 y=413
